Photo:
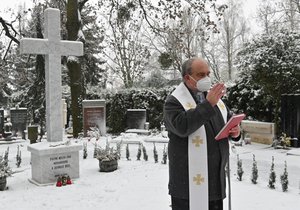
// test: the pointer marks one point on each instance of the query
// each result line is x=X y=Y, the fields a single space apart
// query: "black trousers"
x=183 y=204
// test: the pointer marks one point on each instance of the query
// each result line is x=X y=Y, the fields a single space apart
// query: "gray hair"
x=187 y=67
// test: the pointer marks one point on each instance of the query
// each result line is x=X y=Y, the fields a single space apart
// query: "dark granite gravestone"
x=32 y=131
x=1 y=122
x=94 y=115
x=18 y=117
x=290 y=115
x=136 y=118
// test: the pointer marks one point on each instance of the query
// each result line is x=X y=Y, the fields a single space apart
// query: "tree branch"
x=7 y=31
x=81 y=4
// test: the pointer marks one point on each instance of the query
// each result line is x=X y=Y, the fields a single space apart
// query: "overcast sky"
x=249 y=5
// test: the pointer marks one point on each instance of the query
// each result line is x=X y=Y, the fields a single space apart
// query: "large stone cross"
x=53 y=48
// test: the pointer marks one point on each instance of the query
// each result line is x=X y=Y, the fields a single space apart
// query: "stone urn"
x=2 y=183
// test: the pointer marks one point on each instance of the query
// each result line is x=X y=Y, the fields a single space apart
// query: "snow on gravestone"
x=54 y=157
x=94 y=115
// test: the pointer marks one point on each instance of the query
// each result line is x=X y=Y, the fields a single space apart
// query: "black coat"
x=180 y=124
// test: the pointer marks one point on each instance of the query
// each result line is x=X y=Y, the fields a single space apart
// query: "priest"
x=194 y=114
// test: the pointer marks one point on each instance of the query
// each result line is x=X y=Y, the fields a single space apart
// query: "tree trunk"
x=74 y=68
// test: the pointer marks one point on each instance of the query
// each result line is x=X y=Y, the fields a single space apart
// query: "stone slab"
x=260 y=138
x=49 y=161
x=258 y=127
x=294 y=152
x=138 y=131
x=260 y=132
x=156 y=139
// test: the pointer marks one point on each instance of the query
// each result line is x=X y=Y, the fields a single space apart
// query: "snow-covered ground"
x=143 y=185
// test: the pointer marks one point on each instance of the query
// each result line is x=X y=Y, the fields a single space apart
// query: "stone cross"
x=53 y=48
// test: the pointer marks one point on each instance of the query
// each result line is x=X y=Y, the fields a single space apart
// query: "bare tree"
x=291 y=12
x=126 y=51
x=233 y=29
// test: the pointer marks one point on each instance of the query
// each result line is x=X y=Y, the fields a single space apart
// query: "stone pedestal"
x=48 y=162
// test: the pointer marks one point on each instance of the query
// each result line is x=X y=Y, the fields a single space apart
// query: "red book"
x=234 y=121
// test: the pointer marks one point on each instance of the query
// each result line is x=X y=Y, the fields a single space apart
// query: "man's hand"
x=216 y=93
x=235 y=131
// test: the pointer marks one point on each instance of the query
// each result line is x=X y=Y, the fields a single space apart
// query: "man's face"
x=200 y=69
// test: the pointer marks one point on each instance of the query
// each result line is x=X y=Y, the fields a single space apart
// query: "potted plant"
x=5 y=171
x=108 y=159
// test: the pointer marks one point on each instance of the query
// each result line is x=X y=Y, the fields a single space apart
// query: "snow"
x=143 y=184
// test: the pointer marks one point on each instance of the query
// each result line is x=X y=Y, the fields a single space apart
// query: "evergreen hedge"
x=117 y=104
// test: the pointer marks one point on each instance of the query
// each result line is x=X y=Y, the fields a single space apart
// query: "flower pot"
x=2 y=183
x=108 y=165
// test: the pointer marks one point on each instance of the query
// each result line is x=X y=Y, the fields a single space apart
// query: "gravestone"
x=290 y=115
x=136 y=118
x=18 y=118
x=1 y=122
x=94 y=115
x=260 y=132
x=32 y=131
x=56 y=156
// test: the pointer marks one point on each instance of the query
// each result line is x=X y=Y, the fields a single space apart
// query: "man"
x=194 y=114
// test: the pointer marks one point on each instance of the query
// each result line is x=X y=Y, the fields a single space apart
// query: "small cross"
x=221 y=105
x=198 y=179
x=190 y=105
x=197 y=141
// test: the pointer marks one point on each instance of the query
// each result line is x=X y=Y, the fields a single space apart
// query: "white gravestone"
x=59 y=158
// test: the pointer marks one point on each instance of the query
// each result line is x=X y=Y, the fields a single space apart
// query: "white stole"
x=197 y=149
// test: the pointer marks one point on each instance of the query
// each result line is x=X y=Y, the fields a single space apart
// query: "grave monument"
x=1 y=122
x=290 y=116
x=18 y=118
x=54 y=157
x=136 y=118
x=94 y=115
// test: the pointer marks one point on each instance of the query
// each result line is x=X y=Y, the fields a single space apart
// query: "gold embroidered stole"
x=197 y=149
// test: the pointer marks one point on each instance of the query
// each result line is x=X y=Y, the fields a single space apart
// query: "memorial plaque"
x=1 y=121
x=94 y=115
x=136 y=118
x=18 y=118
x=52 y=162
